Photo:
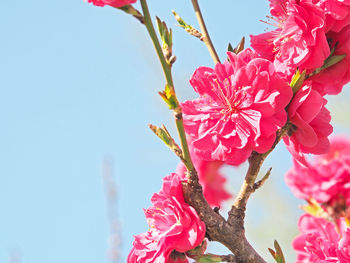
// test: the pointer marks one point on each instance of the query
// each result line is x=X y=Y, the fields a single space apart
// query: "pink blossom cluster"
x=245 y=100
x=114 y=3
x=241 y=106
x=321 y=241
x=175 y=227
x=308 y=32
x=326 y=179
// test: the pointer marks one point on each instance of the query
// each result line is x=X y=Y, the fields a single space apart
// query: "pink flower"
x=174 y=227
x=318 y=241
x=114 y=3
x=332 y=79
x=300 y=40
x=241 y=106
x=211 y=179
x=344 y=248
x=311 y=123
x=337 y=13
x=327 y=179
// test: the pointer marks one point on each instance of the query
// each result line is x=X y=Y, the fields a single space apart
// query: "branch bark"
x=237 y=212
x=218 y=229
x=231 y=232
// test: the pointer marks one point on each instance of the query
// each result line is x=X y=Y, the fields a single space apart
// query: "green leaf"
x=273 y=253
x=165 y=136
x=297 y=80
x=230 y=48
x=166 y=36
x=313 y=208
x=197 y=251
x=208 y=259
x=179 y=19
x=162 y=133
x=240 y=46
x=188 y=28
x=168 y=95
x=330 y=61
x=278 y=254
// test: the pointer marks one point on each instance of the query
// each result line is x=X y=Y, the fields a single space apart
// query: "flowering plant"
x=246 y=105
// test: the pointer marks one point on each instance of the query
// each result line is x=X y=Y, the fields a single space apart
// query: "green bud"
x=209 y=259
x=230 y=48
x=313 y=208
x=240 y=46
x=165 y=136
x=188 y=28
x=129 y=9
x=278 y=254
x=166 y=36
x=169 y=96
x=297 y=80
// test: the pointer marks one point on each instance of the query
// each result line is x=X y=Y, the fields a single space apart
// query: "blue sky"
x=79 y=84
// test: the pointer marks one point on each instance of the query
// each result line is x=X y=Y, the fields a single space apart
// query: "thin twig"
x=168 y=76
x=129 y=9
x=205 y=33
x=261 y=182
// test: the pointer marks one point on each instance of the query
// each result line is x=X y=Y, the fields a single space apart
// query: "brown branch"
x=261 y=182
x=237 y=212
x=218 y=229
x=230 y=233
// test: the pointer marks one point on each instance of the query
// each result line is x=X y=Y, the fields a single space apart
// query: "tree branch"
x=218 y=229
x=231 y=233
x=168 y=76
x=237 y=212
x=206 y=37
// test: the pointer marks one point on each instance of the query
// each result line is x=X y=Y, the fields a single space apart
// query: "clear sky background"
x=79 y=84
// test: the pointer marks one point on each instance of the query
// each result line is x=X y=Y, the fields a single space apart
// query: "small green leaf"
x=129 y=9
x=208 y=259
x=297 y=80
x=278 y=254
x=168 y=95
x=240 y=46
x=230 y=48
x=179 y=19
x=313 y=208
x=166 y=36
x=197 y=251
x=188 y=28
x=330 y=61
x=165 y=136
x=273 y=253
x=162 y=133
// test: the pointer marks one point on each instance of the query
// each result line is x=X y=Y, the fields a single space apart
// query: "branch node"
x=261 y=182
